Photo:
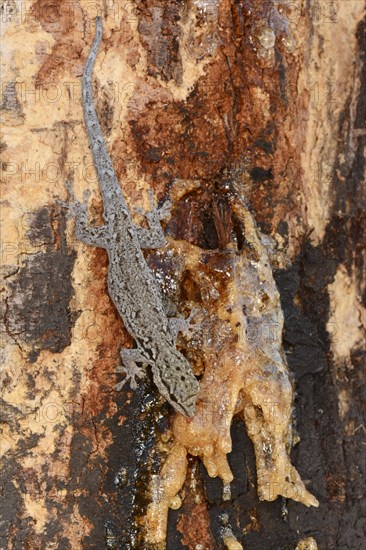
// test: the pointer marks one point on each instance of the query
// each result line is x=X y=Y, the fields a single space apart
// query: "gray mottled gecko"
x=131 y=284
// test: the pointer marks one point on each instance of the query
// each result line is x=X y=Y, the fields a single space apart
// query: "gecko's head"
x=177 y=382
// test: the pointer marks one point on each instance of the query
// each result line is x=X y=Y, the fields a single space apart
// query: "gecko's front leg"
x=88 y=234
x=153 y=237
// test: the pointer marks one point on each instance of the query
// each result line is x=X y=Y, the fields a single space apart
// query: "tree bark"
x=196 y=99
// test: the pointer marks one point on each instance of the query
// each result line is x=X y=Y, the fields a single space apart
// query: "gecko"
x=132 y=286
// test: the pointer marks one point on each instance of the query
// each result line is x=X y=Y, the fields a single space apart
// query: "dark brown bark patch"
x=39 y=310
x=159 y=33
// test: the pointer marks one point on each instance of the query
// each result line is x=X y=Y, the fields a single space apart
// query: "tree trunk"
x=249 y=117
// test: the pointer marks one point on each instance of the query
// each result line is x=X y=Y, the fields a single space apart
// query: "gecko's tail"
x=89 y=65
x=102 y=161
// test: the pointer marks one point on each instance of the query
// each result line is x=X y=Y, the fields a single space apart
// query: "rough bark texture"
x=272 y=94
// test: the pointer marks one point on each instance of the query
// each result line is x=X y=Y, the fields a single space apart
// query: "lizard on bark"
x=131 y=284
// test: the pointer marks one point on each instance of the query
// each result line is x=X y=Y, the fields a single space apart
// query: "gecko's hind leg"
x=88 y=234
x=129 y=359
x=153 y=237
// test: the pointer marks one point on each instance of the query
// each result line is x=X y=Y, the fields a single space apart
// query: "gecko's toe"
x=128 y=378
x=120 y=385
x=165 y=210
